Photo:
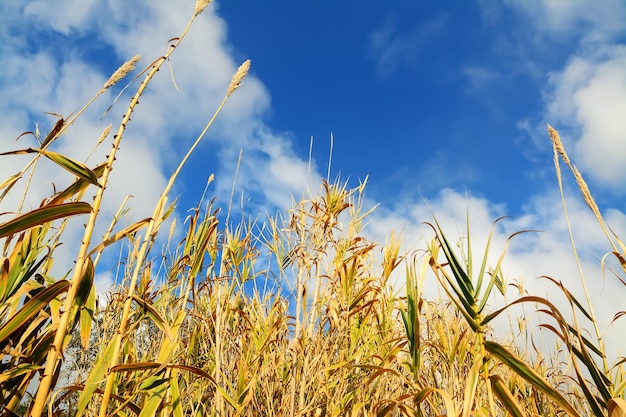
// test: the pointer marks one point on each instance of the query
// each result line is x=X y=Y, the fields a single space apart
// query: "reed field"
x=293 y=315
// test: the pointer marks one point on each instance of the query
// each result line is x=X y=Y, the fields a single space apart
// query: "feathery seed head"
x=558 y=145
x=200 y=6
x=584 y=189
x=122 y=71
x=582 y=185
x=104 y=134
x=241 y=73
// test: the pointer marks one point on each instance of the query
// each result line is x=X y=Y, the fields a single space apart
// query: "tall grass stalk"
x=606 y=390
x=43 y=391
x=158 y=216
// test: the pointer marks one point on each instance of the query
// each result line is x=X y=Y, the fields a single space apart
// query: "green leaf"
x=85 y=285
x=31 y=308
x=87 y=318
x=87 y=309
x=77 y=187
x=530 y=375
x=41 y=216
x=75 y=167
x=456 y=294
x=466 y=294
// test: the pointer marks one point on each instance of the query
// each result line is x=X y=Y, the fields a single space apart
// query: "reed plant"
x=294 y=315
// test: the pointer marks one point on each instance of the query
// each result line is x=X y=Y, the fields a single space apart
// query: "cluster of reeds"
x=295 y=315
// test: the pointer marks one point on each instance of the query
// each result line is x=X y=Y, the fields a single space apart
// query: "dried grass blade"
x=526 y=299
x=96 y=376
x=570 y=297
x=18 y=370
x=617 y=407
x=121 y=234
x=9 y=182
x=505 y=396
x=54 y=133
x=471 y=384
x=449 y=404
x=155 y=317
x=20 y=152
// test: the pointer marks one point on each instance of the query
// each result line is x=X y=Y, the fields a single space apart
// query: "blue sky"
x=444 y=101
x=418 y=94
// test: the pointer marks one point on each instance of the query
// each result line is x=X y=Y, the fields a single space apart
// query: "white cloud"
x=103 y=283
x=588 y=98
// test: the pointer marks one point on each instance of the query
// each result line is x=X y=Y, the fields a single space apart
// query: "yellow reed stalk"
x=55 y=352
x=559 y=150
x=151 y=230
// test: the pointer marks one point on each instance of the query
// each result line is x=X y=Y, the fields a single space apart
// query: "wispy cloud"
x=479 y=77
x=592 y=21
x=445 y=169
x=392 y=49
